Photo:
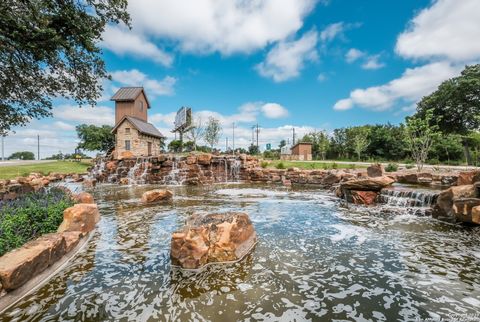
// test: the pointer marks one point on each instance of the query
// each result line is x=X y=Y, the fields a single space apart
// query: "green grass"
x=10 y=172
x=314 y=165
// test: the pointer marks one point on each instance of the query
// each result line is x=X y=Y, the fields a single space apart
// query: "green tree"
x=95 y=138
x=212 y=131
x=175 y=146
x=23 y=155
x=196 y=132
x=420 y=134
x=455 y=105
x=360 y=140
x=282 y=144
x=253 y=149
x=49 y=49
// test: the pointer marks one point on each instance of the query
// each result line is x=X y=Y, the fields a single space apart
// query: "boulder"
x=444 y=204
x=375 y=170
x=191 y=159
x=81 y=217
x=157 y=195
x=332 y=178
x=476 y=215
x=72 y=238
x=463 y=209
x=212 y=238
x=20 y=265
x=204 y=159
x=124 y=181
x=111 y=166
x=411 y=178
x=468 y=177
x=369 y=184
x=89 y=183
x=359 y=197
x=83 y=197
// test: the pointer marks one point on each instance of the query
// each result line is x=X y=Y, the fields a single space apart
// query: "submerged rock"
x=157 y=195
x=212 y=238
x=83 y=197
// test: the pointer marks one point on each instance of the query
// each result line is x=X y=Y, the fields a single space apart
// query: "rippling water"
x=314 y=261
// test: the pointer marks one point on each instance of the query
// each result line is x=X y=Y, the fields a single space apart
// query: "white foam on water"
x=471 y=301
x=251 y=192
x=348 y=232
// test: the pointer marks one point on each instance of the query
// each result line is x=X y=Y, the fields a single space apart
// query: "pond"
x=315 y=260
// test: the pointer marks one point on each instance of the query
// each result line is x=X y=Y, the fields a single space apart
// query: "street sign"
x=269 y=146
x=183 y=119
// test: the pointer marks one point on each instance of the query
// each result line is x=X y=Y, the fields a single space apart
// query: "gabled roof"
x=127 y=94
x=141 y=126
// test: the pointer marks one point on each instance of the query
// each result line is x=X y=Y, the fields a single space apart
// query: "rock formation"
x=212 y=238
x=81 y=217
x=157 y=195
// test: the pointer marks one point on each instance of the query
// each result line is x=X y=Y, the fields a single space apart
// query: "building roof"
x=127 y=94
x=303 y=143
x=142 y=126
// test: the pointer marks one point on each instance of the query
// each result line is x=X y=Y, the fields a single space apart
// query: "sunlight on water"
x=314 y=260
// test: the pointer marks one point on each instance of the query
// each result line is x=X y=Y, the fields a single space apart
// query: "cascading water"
x=98 y=169
x=140 y=165
x=174 y=177
x=235 y=167
x=409 y=201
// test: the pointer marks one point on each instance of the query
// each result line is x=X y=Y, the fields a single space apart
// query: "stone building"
x=134 y=136
x=301 y=151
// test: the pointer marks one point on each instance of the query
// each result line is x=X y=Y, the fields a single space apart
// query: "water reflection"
x=314 y=261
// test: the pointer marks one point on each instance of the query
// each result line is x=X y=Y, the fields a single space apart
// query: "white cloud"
x=98 y=115
x=332 y=31
x=373 y=62
x=123 y=41
x=153 y=87
x=353 y=54
x=205 y=26
x=274 y=111
x=287 y=58
x=449 y=29
x=63 y=126
x=410 y=87
x=322 y=77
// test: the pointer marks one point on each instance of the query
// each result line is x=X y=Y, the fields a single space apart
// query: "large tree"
x=23 y=155
x=49 y=49
x=196 y=132
x=212 y=131
x=95 y=138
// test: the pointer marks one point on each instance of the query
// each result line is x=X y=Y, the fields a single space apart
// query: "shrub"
x=30 y=216
x=409 y=166
x=352 y=166
x=281 y=165
x=264 y=164
x=325 y=166
x=334 y=165
x=391 y=167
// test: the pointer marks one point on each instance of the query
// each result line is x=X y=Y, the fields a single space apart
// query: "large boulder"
x=81 y=217
x=20 y=265
x=468 y=177
x=83 y=197
x=204 y=159
x=157 y=195
x=363 y=197
x=463 y=209
x=444 y=204
x=212 y=238
x=368 y=184
x=476 y=215
x=375 y=170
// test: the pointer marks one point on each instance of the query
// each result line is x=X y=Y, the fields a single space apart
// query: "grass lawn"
x=310 y=165
x=10 y=172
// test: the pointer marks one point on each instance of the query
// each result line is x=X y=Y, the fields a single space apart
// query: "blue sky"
x=282 y=63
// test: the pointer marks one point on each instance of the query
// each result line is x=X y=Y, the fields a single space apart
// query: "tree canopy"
x=23 y=155
x=50 y=49
x=95 y=138
x=455 y=105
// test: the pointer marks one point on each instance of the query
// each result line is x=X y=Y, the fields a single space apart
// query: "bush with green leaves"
x=281 y=165
x=264 y=164
x=31 y=216
x=391 y=167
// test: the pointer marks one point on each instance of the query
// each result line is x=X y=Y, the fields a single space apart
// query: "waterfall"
x=132 y=175
x=98 y=169
x=410 y=201
x=174 y=176
x=235 y=170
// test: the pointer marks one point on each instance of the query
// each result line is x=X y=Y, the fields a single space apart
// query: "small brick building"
x=134 y=136
x=301 y=151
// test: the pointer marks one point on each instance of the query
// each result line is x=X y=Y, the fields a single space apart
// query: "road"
x=22 y=162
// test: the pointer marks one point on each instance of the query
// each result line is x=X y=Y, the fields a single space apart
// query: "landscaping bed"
x=30 y=216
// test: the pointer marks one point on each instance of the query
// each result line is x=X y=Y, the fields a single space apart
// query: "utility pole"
x=253 y=135
x=3 y=145
x=226 y=144
x=257 y=138
x=38 y=147
x=293 y=129
x=233 y=137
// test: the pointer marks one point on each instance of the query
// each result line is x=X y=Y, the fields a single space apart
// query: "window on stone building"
x=127 y=145
x=140 y=104
x=127 y=130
